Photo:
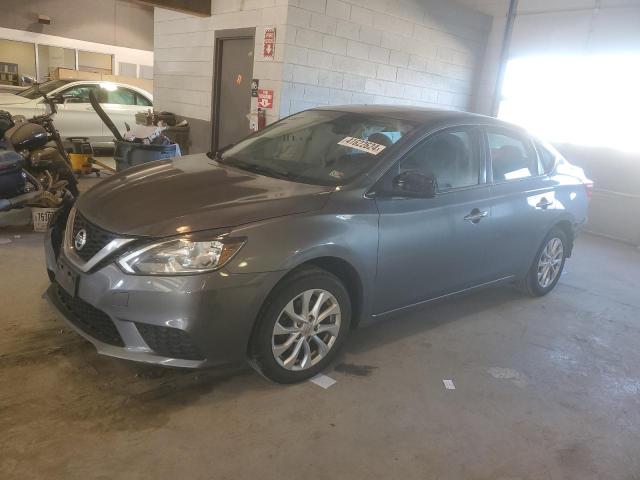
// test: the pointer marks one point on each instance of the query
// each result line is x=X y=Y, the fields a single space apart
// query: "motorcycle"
x=33 y=173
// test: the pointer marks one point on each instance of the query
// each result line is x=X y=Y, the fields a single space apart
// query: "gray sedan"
x=271 y=250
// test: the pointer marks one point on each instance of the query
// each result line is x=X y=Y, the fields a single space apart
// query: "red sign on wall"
x=265 y=98
x=269 y=43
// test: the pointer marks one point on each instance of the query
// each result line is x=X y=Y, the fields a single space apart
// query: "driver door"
x=429 y=247
x=76 y=117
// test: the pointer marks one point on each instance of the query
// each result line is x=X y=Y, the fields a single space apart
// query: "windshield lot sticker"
x=337 y=174
x=362 y=145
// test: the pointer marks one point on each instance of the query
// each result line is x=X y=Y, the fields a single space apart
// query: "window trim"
x=519 y=135
x=379 y=187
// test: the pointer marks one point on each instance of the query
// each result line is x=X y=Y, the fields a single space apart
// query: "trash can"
x=128 y=154
x=179 y=134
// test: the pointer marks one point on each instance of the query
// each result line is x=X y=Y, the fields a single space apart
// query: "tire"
x=532 y=284
x=271 y=355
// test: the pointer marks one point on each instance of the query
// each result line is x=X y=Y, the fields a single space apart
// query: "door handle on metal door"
x=476 y=215
x=544 y=204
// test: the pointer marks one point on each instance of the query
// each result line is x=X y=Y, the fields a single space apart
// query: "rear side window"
x=512 y=157
x=547 y=158
x=142 y=100
x=452 y=157
x=120 y=96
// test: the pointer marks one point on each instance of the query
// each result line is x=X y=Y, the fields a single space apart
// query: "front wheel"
x=548 y=264
x=303 y=325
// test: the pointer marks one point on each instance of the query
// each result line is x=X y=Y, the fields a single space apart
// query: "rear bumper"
x=183 y=321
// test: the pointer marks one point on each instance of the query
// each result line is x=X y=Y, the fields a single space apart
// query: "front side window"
x=78 y=94
x=318 y=146
x=451 y=157
x=512 y=157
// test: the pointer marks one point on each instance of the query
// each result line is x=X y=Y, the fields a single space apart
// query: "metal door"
x=234 y=74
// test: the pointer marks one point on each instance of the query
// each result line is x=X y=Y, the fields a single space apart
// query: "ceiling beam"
x=194 y=7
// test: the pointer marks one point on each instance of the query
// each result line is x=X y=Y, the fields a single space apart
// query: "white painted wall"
x=120 y=54
x=556 y=26
x=576 y=27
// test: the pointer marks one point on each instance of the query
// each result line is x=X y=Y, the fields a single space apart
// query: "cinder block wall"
x=408 y=52
x=415 y=52
x=184 y=59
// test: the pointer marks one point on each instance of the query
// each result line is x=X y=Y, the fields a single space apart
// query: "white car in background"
x=76 y=117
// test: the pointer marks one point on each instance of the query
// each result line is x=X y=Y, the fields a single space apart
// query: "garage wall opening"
x=586 y=100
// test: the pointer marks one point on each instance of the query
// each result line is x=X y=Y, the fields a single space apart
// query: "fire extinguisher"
x=262 y=118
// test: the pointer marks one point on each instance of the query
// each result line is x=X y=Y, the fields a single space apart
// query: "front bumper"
x=181 y=321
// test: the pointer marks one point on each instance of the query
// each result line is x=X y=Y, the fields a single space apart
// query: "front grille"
x=97 y=238
x=89 y=319
x=169 y=342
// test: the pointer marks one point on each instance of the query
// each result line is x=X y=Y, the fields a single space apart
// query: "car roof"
x=423 y=115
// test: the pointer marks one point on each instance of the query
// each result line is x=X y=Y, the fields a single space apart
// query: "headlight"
x=181 y=256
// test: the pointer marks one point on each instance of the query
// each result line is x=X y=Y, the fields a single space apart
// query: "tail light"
x=588 y=186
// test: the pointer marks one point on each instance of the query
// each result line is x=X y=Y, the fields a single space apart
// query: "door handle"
x=544 y=204
x=476 y=215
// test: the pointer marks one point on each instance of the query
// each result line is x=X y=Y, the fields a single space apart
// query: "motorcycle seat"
x=10 y=161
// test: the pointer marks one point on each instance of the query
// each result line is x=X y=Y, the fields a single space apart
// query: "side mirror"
x=27 y=80
x=415 y=184
x=57 y=99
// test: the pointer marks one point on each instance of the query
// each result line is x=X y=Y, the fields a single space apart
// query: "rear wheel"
x=548 y=264
x=303 y=325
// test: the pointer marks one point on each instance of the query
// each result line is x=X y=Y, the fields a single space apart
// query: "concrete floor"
x=545 y=389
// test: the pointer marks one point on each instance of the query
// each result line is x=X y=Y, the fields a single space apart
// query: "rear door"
x=429 y=247
x=523 y=201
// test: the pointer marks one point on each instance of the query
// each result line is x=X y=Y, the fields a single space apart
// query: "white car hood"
x=12 y=99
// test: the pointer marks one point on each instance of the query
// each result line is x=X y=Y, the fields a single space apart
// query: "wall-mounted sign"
x=265 y=98
x=269 y=43
x=255 y=83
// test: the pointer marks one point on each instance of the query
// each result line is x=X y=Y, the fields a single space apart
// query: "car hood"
x=11 y=99
x=192 y=193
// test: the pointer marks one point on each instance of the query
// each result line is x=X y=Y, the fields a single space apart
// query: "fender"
x=283 y=244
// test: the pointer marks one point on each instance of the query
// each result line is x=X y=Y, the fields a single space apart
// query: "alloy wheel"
x=550 y=262
x=306 y=329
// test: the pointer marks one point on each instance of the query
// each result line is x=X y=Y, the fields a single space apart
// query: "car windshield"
x=318 y=146
x=46 y=87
